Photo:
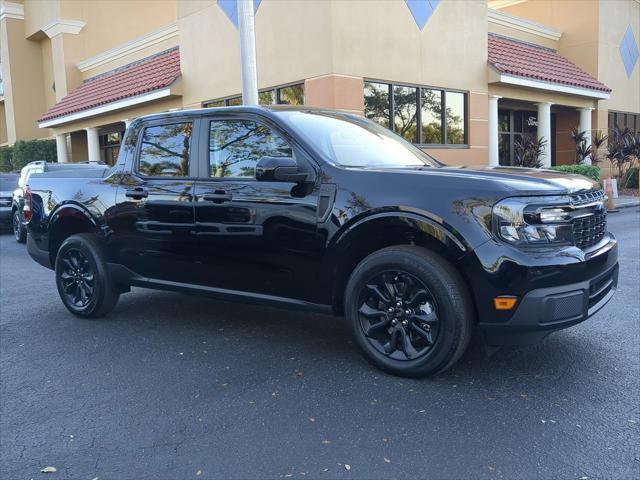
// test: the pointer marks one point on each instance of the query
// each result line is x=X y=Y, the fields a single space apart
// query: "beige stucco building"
x=443 y=73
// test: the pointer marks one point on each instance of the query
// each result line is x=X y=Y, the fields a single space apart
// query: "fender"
x=71 y=209
x=429 y=224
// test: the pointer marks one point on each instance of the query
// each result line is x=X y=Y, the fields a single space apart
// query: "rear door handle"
x=137 y=192
x=219 y=197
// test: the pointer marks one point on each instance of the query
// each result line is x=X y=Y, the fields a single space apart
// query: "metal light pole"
x=248 y=65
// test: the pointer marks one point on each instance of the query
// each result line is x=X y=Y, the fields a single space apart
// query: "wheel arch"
x=67 y=220
x=385 y=229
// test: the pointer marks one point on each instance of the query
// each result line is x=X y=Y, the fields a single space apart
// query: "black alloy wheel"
x=82 y=277
x=410 y=310
x=399 y=315
x=77 y=277
x=19 y=230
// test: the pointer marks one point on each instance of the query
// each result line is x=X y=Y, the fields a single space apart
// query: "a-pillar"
x=93 y=144
x=61 y=148
x=494 y=156
x=585 y=126
x=544 y=131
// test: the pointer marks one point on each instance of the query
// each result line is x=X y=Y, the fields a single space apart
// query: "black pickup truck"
x=327 y=211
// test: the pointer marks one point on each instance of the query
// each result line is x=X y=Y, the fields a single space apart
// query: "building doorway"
x=512 y=125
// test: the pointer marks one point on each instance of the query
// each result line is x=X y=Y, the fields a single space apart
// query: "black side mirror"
x=279 y=169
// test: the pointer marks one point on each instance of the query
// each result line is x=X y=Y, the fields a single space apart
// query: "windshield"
x=350 y=141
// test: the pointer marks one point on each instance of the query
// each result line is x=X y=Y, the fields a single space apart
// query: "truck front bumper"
x=553 y=292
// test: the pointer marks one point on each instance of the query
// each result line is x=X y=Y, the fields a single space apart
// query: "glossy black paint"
x=296 y=243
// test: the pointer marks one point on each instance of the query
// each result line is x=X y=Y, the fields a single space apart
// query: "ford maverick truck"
x=328 y=211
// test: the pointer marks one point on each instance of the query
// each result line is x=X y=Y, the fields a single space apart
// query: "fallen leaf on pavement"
x=347 y=466
x=49 y=470
x=386 y=460
x=198 y=473
x=326 y=442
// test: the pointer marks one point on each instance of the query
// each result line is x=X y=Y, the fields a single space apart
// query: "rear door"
x=154 y=219
x=255 y=236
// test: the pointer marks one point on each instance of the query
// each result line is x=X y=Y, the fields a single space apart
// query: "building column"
x=585 y=126
x=494 y=140
x=544 y=131
x=93 y=145
x=61 y=148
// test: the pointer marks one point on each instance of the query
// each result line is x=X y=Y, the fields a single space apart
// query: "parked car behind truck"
x=8 y=182
x=326 y=211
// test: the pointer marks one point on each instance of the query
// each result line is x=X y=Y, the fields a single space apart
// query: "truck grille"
x=589 y=230
x=590 y=224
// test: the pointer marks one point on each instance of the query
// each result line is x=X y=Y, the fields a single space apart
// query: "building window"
x=422 y=115
x=286 y=95
x=110 y=146
x=624 y=120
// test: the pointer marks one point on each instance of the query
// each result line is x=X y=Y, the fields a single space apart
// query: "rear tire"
x=82 y=277
x=19 y=230
x=410 y=311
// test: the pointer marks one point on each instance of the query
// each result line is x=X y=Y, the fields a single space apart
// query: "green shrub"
x=32 y=151
x=630 y=178
x=5 y=159
x=590 y=171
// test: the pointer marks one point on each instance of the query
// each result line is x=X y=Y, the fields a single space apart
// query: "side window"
x=235 y=146
x=165 y=150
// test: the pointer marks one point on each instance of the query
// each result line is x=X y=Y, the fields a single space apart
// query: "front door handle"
x=137 y=192
x=217 y=197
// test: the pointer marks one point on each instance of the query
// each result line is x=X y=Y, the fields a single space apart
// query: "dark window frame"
x=443 y=123
x=615 y=115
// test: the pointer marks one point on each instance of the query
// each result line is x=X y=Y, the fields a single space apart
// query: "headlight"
x=534 y=220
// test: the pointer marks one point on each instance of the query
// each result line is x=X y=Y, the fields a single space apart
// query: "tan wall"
x=37 y=14
x=48 y=78
x=131 y=57
x=79 y=150
x=615 y=16
x=506 y=31
x=340 y=92
x=565 y=148
x=379 y=39
x=3 y=125
x=576 y=19
x=22 y=77
x=293 y=43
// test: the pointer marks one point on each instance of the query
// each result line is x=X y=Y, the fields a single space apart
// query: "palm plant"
x=597 y=142
x=528 y=150
x=583 y=149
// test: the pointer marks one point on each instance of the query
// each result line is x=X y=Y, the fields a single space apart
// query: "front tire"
x=410 y=311
x=19 y=230
x=82 y=277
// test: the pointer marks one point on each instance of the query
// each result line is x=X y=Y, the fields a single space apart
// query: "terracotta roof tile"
x=153 y=73
x=521 y=59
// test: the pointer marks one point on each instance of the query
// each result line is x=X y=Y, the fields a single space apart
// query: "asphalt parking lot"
x=175 y=386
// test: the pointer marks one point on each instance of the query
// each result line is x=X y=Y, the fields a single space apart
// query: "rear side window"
x=235 y=146
x=165 y=150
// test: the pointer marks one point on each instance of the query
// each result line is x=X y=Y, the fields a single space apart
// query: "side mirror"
x=279 y=169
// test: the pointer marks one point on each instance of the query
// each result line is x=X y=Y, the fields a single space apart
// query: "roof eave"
x=498 y=77
x=113 y=106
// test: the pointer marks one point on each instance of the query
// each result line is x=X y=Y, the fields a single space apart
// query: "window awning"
x=527 y=65
x=145 y=80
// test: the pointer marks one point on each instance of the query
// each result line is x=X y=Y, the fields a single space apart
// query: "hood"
x=514 y=180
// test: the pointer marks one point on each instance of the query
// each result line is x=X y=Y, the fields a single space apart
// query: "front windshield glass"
x=350 y=141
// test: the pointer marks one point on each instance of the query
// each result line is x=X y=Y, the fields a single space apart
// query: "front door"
x=254 y=236
x=154 y=223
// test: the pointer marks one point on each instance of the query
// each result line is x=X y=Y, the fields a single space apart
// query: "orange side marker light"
x=504 y=303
